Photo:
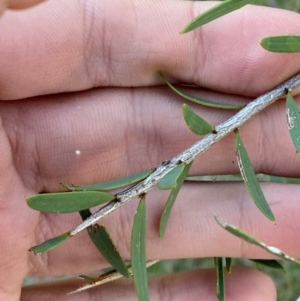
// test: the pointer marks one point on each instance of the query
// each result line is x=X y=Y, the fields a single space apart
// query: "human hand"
x=106 y=57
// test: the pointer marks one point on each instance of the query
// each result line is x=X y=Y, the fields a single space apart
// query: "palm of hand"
x=119 y=130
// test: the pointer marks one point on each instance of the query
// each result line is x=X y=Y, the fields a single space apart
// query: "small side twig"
x=191 y=153
x=108 y=277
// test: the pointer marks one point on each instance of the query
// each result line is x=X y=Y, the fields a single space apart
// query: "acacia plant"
x=171 y=174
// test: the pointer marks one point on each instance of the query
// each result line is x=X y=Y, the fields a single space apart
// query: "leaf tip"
x=272 y=218
x=218 y=221
x=50 y=244
x=67 y=186
x=161 y=234
x=183 y=31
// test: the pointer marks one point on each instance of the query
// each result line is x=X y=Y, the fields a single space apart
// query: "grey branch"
x=191 y=153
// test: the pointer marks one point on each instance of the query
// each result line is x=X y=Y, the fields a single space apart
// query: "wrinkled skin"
x=82 y=75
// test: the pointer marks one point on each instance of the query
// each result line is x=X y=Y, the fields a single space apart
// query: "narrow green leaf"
x=86 y=278
x=253 y=240
x=169 y=181
x=201 y=101
x=85 y=214
x=138 y=252
x=250 y=179
x=228 y=261
x=215 y=12
x=105 y=245
x=215 y=178
x=220 y=284
x=239 y=233
x=277 y=179
x=118 y=183
x=65 y=202
x=196 y=123
x=293 y=120
x=50 y=244
x=274 y=264
x=101 y=239
x=171 y=200
x=286 y=43
x=238 y=177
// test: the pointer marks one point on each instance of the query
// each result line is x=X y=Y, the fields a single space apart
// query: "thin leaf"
x=238 y=177
x=201 y=101
x=196 y=123
x=274 y=264
x=293 y=120
x=50 y=244
x=107 y=277
x=118 y=183
x=250 y=179
x=286 y=43
x=138 y=252
x=171 y=200
x=228 y=261
x=215 y=12
x=105 y=245
x=215 y=178
x=65 y=202
x=86 y=278
x=169 y=181
x=220 y=284
x=253 y=240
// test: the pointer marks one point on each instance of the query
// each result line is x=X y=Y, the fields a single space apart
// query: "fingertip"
x=251 y=284
x=20 y=4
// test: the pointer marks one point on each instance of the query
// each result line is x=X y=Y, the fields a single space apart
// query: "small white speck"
x=77 y=152
x=290 y=118
x=78 y=107
x=274 y=250
x=240 y=164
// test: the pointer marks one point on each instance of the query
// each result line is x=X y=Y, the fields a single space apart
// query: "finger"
x=17 y=225
x=106 y=134
x=88 y=44
x=197 y=285
x=192 y=231
x=17 y=4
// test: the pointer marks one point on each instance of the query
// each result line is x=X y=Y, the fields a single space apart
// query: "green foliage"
x=171 y=200
x=66 y=202
x=228 y=262
x=293 y=120
x=274 y=264
x=220 y=284
x=84 y=197
x=110 y=185
x=197 y=124
x=50 y=244
x=293 y=5
x=238 y=177
x=287 y=44
x=138 y=252
x=199 y=101
x=101 y=239
x=169 y=181
x=253 y=240
x=217 y=11
x=250 y=179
